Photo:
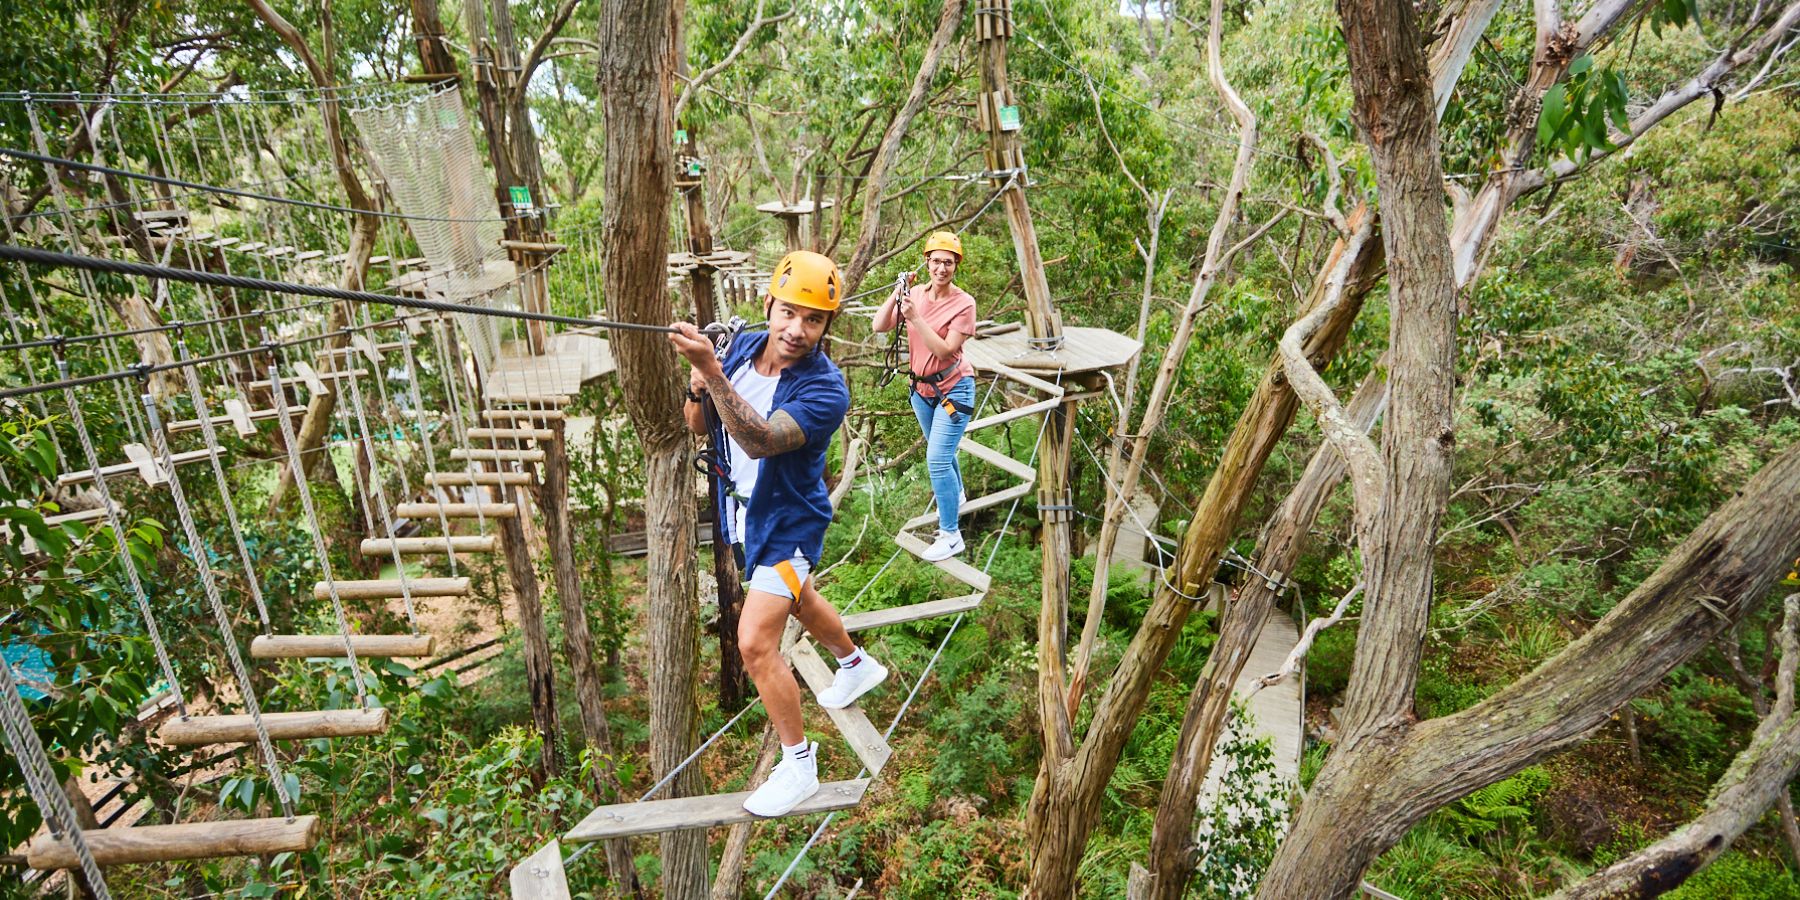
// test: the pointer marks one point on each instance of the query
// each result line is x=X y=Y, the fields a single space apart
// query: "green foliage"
x=1237 y=834
x=1740 y=876
x=1507 y=804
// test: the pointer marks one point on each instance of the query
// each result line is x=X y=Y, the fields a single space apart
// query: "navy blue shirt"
x=789 y=508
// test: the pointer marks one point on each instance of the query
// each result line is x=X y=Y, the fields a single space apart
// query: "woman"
x=939 y=317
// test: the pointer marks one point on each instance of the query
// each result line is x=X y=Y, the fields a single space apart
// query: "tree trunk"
x=1377 y=785
x=578 y=644
x=1065 y=803
x=637 y=63
x=862 y=256
x=1277 y=550
x=540 y=677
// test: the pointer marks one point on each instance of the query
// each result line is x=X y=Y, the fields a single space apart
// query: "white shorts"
x=769 y=581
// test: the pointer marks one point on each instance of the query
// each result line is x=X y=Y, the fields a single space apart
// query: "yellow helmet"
x=809 y=279
x=944 y=240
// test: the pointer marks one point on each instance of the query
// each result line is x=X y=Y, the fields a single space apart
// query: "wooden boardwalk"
x=1277 y=710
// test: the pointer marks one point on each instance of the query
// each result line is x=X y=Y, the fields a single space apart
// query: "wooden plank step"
x=282 y=726
x=456 y=510
x=239 y=417
x=709 y=811
x=480 y=455
x=512 y=434
x=149 y=467
x=321 y=646
x=877 y=618
x=864 y=739
x=385 y=588
x=466 y=479
x=512 y=415
x=997 y=459
x=979 y=503
x=126 y=468
x=550 y=401
x=418 y=546
x=954 y=567
x=1030 y=381
x=316 y=384
x=1011 y=414
x=81 y=515
x=168 y=843
x=540 y=876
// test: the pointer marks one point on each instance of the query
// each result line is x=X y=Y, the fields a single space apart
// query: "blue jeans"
x=943 y=430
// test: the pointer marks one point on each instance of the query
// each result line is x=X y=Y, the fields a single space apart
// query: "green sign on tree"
x=1009 y=118
x=521 y=198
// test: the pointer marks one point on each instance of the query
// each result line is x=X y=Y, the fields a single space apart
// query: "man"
x=777 y=399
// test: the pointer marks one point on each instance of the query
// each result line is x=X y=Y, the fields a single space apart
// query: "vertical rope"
x=77 y=419
x=203 y=561
x=286 y=419
x=40 y=780
x=387 y=517
x=412 y=378
x=204 y=413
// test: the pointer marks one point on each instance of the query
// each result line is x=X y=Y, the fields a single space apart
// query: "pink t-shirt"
x=953 y=313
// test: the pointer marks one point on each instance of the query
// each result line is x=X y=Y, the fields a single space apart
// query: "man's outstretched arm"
x=760 y=437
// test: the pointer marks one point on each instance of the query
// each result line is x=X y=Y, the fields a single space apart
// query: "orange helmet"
x=944 y=240
x=809 y=279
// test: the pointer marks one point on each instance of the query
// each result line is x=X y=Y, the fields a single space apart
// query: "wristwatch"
x=695 y=397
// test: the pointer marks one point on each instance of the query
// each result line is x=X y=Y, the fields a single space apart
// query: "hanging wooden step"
x=997 y=459
x=975 y=505
x=420 y=546
x=864 y=739
x=466 y=479
x=955 y=568
x=709 y=811
x=81 y=515
x=1000 y=418
x=479 y=455
x=322 y=646
x=169 y=843
x=386 y=588
x=511 y=434
x=456 y=510
x=551 y=401
x=513 y=415
x=127 y=468
x=316 y=383
x=194 y=731
x=238 y=416
x=877 y=618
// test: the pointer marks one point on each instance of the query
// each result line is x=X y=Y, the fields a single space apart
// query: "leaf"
x=1581 y=64
x=1551 y=118
x=440 y=816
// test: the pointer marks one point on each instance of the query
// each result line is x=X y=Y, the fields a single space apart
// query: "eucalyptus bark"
x=1065 y=802
x=637 y=64
x=1283 y=539
x=1374 y=789
x=862 y=256
x=578 y=644
x=540 y=676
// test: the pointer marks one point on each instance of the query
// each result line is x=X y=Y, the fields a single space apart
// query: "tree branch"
x=536 y=53
x=757 y=23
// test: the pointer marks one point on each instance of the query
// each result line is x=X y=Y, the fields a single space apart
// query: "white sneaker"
x=853 y=682
x=788 y=786
x=948 y=544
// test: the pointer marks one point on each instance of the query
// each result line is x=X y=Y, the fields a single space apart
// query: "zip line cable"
x=234 y=192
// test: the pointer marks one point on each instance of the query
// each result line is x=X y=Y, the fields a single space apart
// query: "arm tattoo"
x=761 y=438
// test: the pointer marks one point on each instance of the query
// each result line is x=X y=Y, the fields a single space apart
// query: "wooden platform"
x=573 y=359
x=709 y=811
x=1083 y=350
x=801 y=208
x=1277 y=710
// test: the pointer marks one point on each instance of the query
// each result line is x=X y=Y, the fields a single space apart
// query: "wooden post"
x=993 y=26
x=540 y=679
x=816 y=233
x=791 y=222
x=733 y=683
x=578 y=641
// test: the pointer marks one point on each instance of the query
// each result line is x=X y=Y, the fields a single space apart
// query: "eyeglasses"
x=941 y=262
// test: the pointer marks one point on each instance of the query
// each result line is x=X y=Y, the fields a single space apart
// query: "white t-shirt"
x=758 y=390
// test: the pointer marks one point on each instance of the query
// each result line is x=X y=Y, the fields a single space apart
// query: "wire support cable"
x=235 y=192
x=178 y=325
